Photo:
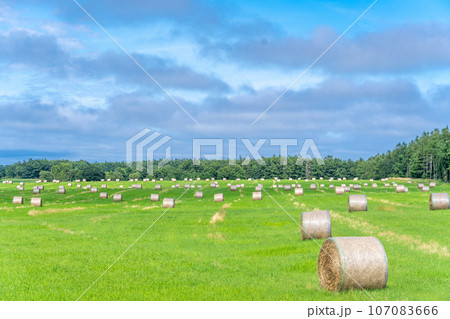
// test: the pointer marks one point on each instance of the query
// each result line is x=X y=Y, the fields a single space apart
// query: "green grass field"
x=252 y=252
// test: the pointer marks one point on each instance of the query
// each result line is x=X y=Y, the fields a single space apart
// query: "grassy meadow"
x=250 y=250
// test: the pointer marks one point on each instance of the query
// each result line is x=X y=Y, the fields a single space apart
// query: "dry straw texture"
x=198 y=194
x=117 y=197
x=352 y=263
x=168 y=202
x=400 y=189
x=103 y=195
x=340 y=190
x=36 y=202
x=357 y=203
x=154 y=197
x=17 y=200
x=257 y=196
x=298 y=191
x=218 y=197
x=439 y=201
x=316 y=224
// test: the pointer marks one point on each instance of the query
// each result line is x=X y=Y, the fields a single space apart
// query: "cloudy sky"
x=67 y=90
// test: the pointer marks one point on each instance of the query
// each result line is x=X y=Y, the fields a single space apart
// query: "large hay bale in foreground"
x=218 y=197
x=257 y=196
x=103 y=195
x=352 y=263
x=36 y=202
x=298 y=191
x=154 y=197
x=439 y=201
x=168 y=202
x=18 y=200
x=357 y=203
x=339 y=190
x=117 y=197
x=316 y=224
x=198 y=194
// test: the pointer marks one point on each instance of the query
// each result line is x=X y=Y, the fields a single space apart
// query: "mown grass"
x=57 y=251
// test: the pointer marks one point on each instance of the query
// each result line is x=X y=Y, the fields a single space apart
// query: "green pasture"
x=251 y=251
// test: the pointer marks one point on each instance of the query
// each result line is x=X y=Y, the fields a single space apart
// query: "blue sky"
x=68 y=91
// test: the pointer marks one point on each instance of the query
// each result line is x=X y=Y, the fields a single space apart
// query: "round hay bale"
x=103 y=195
x=347 y=189
x=357 y=187
x=120 y=186
x=339 y=190
x=439 y=201
x=17 y=200
x=78 y=185
x=20 y=188
x=168 y=202
x=198 y=194
x=298 y=191
x=154 y=197
x=238 y=179
x=419 y=186
x=212 y=185
x=61 y=191
x=199 y=186
x=257 y=196
x=258 y=188
x=187 y=186
x=432 y=185
x=400 y=189
x=36 y=202
x=280 y=186
x=409 y=182
x=322 y=185
x=371 y=180
x=316 y=224
x=386 y=185
x=94 y=190
x=177 y=186
x=374 y=185
x=69 y=185
x=425 y=189
x=262 y=179
x=357 y=203
x=104 y=186
x=331 y=186
x=117 y=197
x=365 y=184
x=306 y=180
x=233 y=188
x=352 y=263
x=344 y=178
x=158 y=187
x=287 y=188
x=218 y=197
x=88 y=186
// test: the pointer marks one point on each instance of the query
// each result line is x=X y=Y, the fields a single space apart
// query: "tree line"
x=427 y=156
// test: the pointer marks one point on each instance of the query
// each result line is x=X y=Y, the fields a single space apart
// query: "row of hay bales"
x=352 y=262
